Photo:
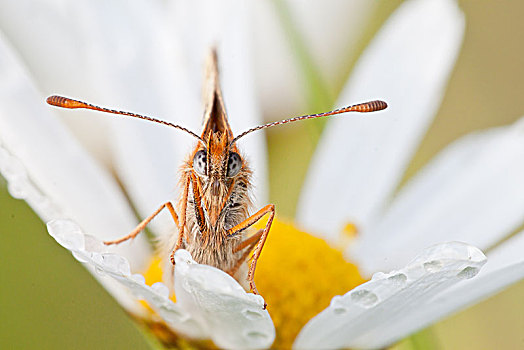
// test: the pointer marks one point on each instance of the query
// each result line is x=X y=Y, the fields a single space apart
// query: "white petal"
x=69 y=235
x=472 y=192
x=226 y=25
x=47 y=167
x=49 y=39
x=114 y=270
x=146 y=156
x=279 y=78
x=210 y=303
x=505 y=266
x=51 y=53
x=361 y=159
x=233 y=318
x=392 y=305
x=131 y=65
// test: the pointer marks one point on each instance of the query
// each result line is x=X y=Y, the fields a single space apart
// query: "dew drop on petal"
x=18 y=187
x=251 y=314
x=137 y=290
x=184 y=256
x=182 y=260
x=433 y=266
x=200 y=279
x=116 y=264
x=338 y=306
x=67 y=233
x=340 y=310
x=398 y=279
x=100 y=271
x=161 y=289
x=11 y=167
x=468 y=272
x=186 y=284
x=476 y=255
x=174 y=315
x=364 y=298
x=258 y=299
x=138 y=294
x=93 y=245
x=378 y=276
x=256 y=336
x=80 y=256
x=97 y=258
x=138 y=278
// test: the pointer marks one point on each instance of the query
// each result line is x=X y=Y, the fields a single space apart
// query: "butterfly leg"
x=182 y=223
x=260 y=240
x=248 y=245
x=144 y=223
x=197 y=198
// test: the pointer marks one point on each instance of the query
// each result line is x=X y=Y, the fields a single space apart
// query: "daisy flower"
x=471 y=192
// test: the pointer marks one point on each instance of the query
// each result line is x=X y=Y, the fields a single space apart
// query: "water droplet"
x=251 y=314
x=161 y=289
x=399 y=279
x=338 y=306
x=137 y=290
x=171 y=314
x=364 y=298
x=79 y=256
x=433 y=266
x=11 y=166
x=100 y=271
x=256 y=336
x=138 y=278
x=93 y=245
x=199 y=278
x=67 y=234
x=97 y=259
x=339 y=310
x=378 y=276
x=185 y=283
x=137 y=293
x=468 y=272
x=116 y=264
x=183 y=256
x=18 y=187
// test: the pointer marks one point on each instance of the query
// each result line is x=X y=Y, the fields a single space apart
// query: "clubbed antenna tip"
x=64 y=102
x=371 y=106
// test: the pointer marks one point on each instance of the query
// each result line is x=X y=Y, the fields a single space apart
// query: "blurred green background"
x=47 y=299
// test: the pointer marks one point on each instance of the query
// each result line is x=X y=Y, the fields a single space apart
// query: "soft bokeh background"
x=46 y=297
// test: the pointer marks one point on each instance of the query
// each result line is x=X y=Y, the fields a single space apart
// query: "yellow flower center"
x=297 y=274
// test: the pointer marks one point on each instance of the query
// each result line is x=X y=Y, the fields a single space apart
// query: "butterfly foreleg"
x=144 y=223
x=258 y=239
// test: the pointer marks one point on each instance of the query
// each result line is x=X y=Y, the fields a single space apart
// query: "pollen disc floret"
x=298 y=275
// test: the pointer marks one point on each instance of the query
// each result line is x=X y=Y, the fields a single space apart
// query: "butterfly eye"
x=199 y=162
x=234 y=164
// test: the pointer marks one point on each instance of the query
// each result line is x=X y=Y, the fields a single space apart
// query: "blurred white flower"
x=149 y=61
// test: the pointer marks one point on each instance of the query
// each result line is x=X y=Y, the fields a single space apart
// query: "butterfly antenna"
x=64 y=102
x=371 y=106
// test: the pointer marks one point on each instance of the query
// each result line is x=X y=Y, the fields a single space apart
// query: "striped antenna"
x=371 y=106
x=65 y=102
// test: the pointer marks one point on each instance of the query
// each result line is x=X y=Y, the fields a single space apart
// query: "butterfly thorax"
x=224 y=202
